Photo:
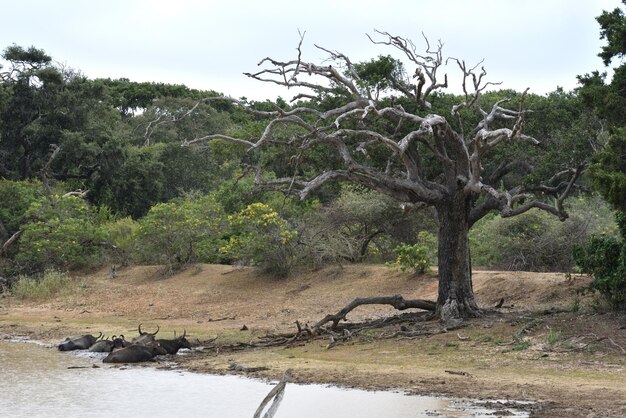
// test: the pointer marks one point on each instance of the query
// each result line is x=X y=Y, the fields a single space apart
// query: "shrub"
x=260 y=237
x=605 y=259
x=121 y=235
x=61 y=233
x=181 y=231
x=50 y=283
x=536 y=240
x=417 y=257
x=360 y=225
x=15 y=199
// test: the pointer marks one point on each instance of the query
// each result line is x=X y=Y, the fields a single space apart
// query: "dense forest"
x=102 y=172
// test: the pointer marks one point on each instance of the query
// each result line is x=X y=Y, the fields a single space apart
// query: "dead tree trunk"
x=456 y=297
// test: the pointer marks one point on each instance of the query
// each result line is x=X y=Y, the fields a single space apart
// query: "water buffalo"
x=144 y=337
x=135 y=354
x=172 y=346
x=78 y=343
x=106 y=346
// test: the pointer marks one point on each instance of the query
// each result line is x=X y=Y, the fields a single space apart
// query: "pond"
x=37 y=381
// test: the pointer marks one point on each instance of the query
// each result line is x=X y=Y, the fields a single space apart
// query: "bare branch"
x=45 y=172
x=426 y=67
x=10 y=241
x=523 y=198
x=77 y=193
x=285 y=73
x=249 y=145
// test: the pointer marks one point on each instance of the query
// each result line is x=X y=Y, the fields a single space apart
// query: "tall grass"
x=50 y=283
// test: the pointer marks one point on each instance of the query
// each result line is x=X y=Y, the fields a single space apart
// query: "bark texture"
x=456 y=295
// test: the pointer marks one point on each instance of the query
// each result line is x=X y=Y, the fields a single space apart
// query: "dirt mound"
x=204 y=295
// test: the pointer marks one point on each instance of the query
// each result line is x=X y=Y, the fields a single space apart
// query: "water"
x=36 y=381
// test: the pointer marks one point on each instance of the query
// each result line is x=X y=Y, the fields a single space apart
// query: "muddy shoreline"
x=572 y=376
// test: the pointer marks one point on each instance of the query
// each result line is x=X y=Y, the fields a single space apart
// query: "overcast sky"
x=208 y=44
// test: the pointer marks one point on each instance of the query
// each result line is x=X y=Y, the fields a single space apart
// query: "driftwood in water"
x=277 y=394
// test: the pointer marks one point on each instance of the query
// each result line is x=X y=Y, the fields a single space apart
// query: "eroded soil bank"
x=545 y=345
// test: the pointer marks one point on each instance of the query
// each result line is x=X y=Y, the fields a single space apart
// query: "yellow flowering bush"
x=261 y=237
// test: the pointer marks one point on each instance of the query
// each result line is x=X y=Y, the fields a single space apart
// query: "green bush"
x=121 y=235
x=536 y=240
x=62 y=233
x=44 y=286
x=15 y=199
x=260 y=237
x=417 y=257
x=359 y=225
x=605 y=259
x=181 y=231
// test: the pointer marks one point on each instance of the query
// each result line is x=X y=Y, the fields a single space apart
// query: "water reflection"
x=42 y=382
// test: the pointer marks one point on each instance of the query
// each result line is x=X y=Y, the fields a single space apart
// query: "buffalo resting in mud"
x=144 y=337
x=135 y=353
x=83 y=342
x=144 y=347
x=172 y=346
x=106 y=345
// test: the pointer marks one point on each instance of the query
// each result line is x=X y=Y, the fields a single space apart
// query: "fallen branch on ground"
x=460 y=373
x=599 y=339
x=224 y=318
x=238 y=367
x=396 y=301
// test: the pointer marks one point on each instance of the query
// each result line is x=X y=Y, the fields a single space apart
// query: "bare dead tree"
x=460 y=191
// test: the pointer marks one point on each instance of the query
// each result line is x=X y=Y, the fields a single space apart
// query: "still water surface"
x=36 y=381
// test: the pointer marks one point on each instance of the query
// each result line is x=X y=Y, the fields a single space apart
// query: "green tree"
x=608 y=172
x=121 y=235
x=15 y=199
x=130 y=181
x=605 y=257
x=31 y=85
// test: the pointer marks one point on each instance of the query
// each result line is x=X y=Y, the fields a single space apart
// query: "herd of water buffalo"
x=144 y=347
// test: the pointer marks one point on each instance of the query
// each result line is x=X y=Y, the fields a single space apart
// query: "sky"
x=208 y=45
